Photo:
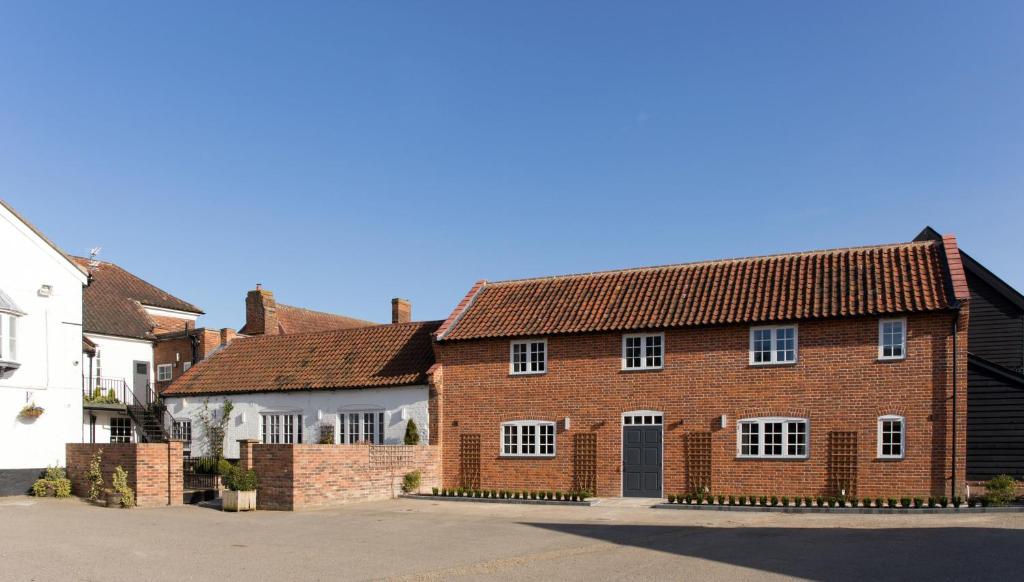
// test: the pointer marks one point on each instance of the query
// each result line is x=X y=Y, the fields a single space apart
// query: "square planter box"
x=238 y=500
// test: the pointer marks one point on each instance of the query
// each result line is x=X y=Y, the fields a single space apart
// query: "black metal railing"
x=98 y=390
x=200 y=473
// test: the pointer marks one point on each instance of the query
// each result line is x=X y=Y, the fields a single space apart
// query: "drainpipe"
x=956 y=325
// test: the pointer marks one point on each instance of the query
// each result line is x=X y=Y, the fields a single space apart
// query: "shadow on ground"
x=829 y=553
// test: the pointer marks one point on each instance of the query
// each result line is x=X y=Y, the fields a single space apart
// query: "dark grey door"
x=641 y=461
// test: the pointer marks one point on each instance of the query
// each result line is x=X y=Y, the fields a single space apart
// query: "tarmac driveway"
x=70 y=540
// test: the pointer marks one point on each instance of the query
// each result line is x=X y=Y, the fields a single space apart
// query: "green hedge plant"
x=1000 y=490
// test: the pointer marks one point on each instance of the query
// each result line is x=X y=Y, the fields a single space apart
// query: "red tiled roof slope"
x=301 y=320
x=366 y=357
x=111 y=301
x=897 y=278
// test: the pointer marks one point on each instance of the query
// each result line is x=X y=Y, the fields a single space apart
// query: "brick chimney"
x=260 y=312
x=401 y=310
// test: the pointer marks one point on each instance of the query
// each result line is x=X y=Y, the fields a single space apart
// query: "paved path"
x=409 y=539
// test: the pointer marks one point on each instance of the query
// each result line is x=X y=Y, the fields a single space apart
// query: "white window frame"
x=542 y=431
x=8 y=336
x=169 y=368
x=903 y=436
x=274 y=428
x=530 y=366
x=643 y=337
x=121 y=438
x=760 y=422
x=347 y=436
x=185 y=366
x=881 y=339
x=774 y=353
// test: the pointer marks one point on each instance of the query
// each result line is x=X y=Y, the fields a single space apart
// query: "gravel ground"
x=51 y=539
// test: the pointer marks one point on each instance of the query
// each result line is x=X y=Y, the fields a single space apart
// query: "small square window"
x=773 y=345
x=163 y=372
x=528 y=357
x=643 y=351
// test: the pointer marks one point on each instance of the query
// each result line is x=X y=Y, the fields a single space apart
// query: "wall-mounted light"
x=45 y=291
x=566 y=424
x=177 y=356
x=319 y=415
x=723 y=421
x=404 y=413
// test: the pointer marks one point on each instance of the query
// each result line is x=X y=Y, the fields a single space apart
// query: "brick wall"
x=838 y=384
x=297 y=477
x=154 y=469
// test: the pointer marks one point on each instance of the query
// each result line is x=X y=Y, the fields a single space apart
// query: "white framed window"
x=281 y=429
x=528 y=438
x=773 y=344
x=120 y=430
x=185 y=366
x=892 y=339
x=528 y=356
x=163 y=372
x=643 y=351
x=364 y=426
x=8 y=337
x=892 y=436
x=642 y=418
x=772 y=438
x=182 y=429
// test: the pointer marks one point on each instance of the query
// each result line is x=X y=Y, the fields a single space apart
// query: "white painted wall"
x=245 y=418
x=118 y=356
x=49 y=349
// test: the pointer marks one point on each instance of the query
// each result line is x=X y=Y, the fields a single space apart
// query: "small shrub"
x=819 y=501
x=494 y=493
x=931 y=502
x=944 y=501
x=1000 y=490
x=411 y=481
x=533 y=494
x=732 y=500
x=785 y=501
x=865 y=502
x=742 y=499
x=224 y=467
x=918 y=503
x=62 y=488
x=957 y=502
x=412 y=433
x=905 y=502
x=764 y=500
x=807 y=501
x=433 y=491
x=891 y=503
x=120 y=483
x=241 y=480
x=671 y=498
x=584 y=495
x=878 y=502
x=774 y=500
x=40 y=488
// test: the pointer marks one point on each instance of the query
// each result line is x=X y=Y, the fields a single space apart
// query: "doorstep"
x=587 y=503
x=844 y=510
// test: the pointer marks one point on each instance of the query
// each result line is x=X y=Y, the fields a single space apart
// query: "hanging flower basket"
x=31 y=411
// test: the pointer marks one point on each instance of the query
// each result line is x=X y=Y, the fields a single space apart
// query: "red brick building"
x=801 y=374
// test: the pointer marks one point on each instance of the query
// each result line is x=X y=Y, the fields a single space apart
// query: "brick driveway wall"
x=154 y=469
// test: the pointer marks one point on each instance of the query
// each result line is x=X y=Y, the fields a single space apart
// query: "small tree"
x=412 y=433
x=215 y=430
x=1000 y=490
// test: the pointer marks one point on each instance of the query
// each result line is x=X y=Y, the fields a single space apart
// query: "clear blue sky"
x=347 y=152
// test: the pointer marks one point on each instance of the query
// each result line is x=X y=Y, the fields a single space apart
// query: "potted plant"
x=31 y=411
x=241 y=493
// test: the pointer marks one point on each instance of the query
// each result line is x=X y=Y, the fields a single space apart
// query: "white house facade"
x=343 y=386
x=376 y=415
x=40 y=352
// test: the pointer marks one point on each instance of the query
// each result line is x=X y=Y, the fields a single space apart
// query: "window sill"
x=890 y=360
x=749 y=458
x=632 y=370
x=772 y=365
x=889 y=459
x=515 y=374
x=504 y=456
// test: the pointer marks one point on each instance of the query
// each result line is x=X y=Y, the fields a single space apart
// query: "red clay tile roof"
x=112 y=302
x=376 y=356
x=300 y=320
x=884 y=279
